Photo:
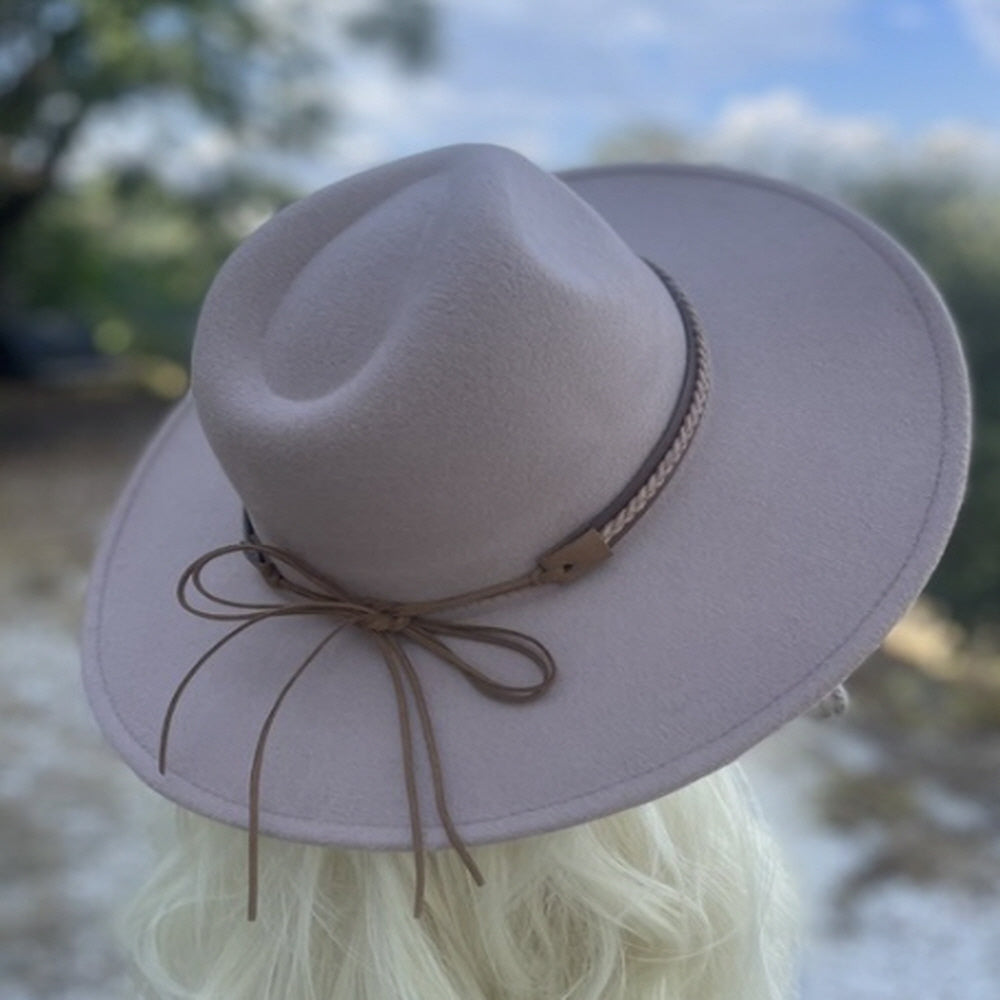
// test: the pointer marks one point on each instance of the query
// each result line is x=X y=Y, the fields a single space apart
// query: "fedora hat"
x=504 y=500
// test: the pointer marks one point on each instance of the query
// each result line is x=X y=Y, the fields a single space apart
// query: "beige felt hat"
x=537 y=497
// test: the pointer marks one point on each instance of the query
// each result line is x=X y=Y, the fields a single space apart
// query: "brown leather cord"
x=389 y=623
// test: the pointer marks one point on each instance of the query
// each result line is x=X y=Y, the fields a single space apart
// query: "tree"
x=63 y=60
x=131 y=259
x=128 y=251
x=647 y=142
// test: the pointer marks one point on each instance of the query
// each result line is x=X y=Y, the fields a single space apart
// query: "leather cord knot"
x=383 y=621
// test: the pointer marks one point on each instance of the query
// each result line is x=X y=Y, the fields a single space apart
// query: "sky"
x=784 y=86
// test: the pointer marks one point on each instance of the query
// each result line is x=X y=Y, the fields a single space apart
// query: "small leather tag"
x=572 y=560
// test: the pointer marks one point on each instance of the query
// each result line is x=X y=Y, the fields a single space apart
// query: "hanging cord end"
x=419 y=862
x=253 y=842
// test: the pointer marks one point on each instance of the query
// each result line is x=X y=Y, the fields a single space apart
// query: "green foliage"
x=648 y=142
x=953 y=228
x=62 y=60
x=404 y=25
x=124 y=254
x=133 y=259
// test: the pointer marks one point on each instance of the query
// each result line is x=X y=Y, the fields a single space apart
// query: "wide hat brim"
x=817 y=498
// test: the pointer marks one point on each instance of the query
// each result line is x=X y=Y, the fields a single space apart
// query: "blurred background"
x=140 y=141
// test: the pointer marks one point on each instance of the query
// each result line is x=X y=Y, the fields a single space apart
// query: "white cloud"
x=678 y=21
x=701 y=39
x=780 y=132
x=981 y=21
x=756 y=29
x=783 y=134
x=169 y=136
x=957 y=145
x=400 y=114
x=909 y=16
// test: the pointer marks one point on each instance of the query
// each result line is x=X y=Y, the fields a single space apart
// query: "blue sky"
x=562 y=74
x=771 y=84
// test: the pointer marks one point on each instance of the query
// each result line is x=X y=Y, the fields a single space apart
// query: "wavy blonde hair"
x=684 y=898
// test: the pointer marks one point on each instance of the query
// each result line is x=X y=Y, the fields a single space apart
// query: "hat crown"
x=420 y=378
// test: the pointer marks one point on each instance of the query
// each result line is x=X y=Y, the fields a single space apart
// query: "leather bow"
x=389 y=624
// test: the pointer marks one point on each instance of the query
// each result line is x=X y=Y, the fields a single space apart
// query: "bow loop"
x=530 y=648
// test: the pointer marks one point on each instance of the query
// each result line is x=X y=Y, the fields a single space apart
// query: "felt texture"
x=395 y=334
x=421 y=378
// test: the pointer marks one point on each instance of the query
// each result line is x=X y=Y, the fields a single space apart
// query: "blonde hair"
x=685 y=897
